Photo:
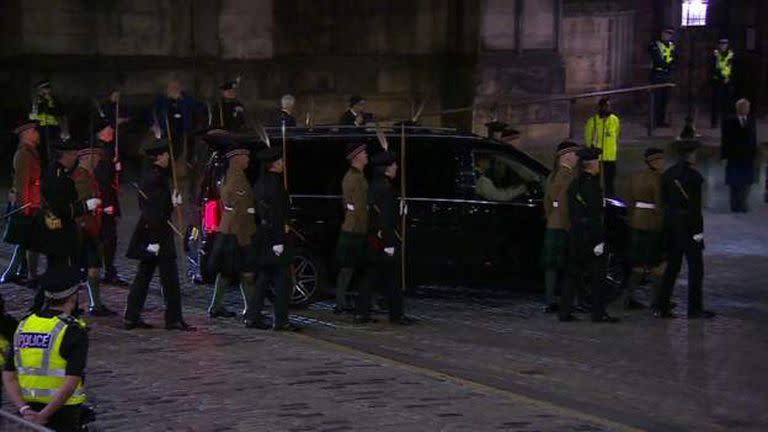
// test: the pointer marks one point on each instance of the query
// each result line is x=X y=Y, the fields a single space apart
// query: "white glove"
x=251 y=210
x=92 y=203
x=390 y=251
x=278 y=249
x=109 y=210
x=153 y=248
x=698 y=238
x=599 y=249
x=64 y=136
x=118 y=166
x=176 y=198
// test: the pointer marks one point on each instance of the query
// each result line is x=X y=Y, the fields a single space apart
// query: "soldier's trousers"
x=109 y=244
x=580 y=272
x=169 y=279
x=694 y=257
x=609 y=178
x=660 y=99
x=722 y=102
x=385 y=275
x=277 y=277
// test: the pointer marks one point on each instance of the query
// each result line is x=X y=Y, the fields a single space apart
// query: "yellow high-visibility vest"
x=4 y=347
x=40 y=368
x=724 y=64
x=41 y=112
x=667 y=53
x=603 y=133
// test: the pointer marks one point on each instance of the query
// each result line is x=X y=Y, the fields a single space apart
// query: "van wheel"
x=308 y=277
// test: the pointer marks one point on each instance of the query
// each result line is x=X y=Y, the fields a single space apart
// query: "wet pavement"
x=479 y=359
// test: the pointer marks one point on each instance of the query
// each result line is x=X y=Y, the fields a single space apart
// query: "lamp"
x=694 y=13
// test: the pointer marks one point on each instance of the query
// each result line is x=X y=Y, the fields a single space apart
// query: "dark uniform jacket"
x=644 y=193
x=156 y=211
x=661 y=69
x=348 y=118
x=383 y=211
x=60 y=199
x=272 y=201
x=106 y=175
x=681 y=195
x=585 y=203
x=354 y=188
x=556 y=198
x=236 y=199
x=228 y=114
x=739 y=147
x=284 y=116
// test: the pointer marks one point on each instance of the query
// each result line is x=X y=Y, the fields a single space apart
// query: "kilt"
x=231 y=259
x=554 y=251
x=351 y=249
x=19 y=230
x=645 y=248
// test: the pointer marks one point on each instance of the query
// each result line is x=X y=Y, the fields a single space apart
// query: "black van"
x=474 y=206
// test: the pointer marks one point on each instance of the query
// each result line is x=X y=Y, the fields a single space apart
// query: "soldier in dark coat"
x=586 y=240
x=228 y=113
x=684 y=232
x=152 y=242
x=272 y=204
x=383 y=242
x=739 y=149
x=24 y=197
x=355 y=115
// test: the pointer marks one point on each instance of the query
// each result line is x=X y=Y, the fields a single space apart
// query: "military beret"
x=353 y=149
x=270 y=154
x=354 y=100
x=589 y=153
x=235 y=148
x=25 y=125
x=155 y=147
x=383 y=159
x=60 y=282
x=228 y=85
x=567 y=147
x=43 y=84
x=653 y=153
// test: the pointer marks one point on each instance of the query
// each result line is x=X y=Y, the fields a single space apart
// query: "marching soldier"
x=586 y=238
x=152 y=242
x=663 y=59
x=351 y=246
x=555 y=250
x=25 y=199
x=235 y=252
x=44 y=372
x=355 y=115
x=272 y=201
x=285 y=116
x=47 y=111
x=602 y=131
x=684 y=231
x=89 y=154
x=646 y=217
x=722 y=80
x=383 y=242
x=229 y=113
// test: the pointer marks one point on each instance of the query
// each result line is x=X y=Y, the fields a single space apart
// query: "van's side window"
x=498 y=177
x=431 y=170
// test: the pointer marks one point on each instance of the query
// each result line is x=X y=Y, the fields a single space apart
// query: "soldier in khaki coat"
x=646 y=219
x=555 y=249
x=236 y=249
x=351 y=250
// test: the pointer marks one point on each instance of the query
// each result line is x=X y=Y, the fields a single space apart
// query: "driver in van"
x=486 y=188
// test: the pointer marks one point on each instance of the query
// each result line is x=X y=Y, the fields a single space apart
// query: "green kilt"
x=19 y=230
x=351 y=249
x=554 y=251
x=231 y=259
x=645 y=248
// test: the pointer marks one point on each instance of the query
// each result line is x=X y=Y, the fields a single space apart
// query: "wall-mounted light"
x=694 y=13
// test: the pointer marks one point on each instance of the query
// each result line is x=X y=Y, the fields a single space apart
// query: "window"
x=694 y=13
x=431 y=169
x=498 y=177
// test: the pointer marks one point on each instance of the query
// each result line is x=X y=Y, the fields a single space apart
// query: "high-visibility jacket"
x=40 y=368
x=666 y=56
x=603 y=133
x=45 y=111
x=5 y=345
x=724 y=65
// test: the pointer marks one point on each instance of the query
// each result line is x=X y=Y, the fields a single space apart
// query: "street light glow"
x=694 y=13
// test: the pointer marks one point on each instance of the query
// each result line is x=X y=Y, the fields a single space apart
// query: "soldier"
x=89 y=154
x=586 y=239
x=602 y=131
x=24 y=197
x=663 y=59
x=235 y=252
x=645 y=227
x=722 y=81
x=355 y=115
x=351 y=247
x=684 y=232
x=285 y=116
x=272 y=201
x=229 y=113
x=383 y=242
x=555 y=250
x=152 y=242
x=47 y=111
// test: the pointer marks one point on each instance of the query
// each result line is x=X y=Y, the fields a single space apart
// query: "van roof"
x=326 y=131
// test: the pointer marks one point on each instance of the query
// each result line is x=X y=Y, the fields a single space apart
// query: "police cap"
x=60 y=282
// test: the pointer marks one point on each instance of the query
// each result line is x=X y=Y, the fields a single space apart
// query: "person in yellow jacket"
x=722 y=82
x=44 y=371
x=602 y=131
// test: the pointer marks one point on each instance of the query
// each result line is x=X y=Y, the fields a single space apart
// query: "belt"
x=645 y=205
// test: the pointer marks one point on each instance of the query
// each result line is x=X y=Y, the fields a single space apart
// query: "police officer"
x=383 y=239
x=235 y=252
x=684 y=231
x=355 y=114
x=586 y=240
x=351 y=246
x=89 y=155
x=646 y=217
x=555 y=249
x=47 y=111
x=44 y=373
x=272 y=203
x=8 y=326
x=25 y=200
x=152 y=242
x=722 y=81
x=663 y=59
x=602 y=131
x=228 y=113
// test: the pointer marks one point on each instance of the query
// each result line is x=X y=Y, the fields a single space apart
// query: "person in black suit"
x=355 y=115
x=739 y=148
